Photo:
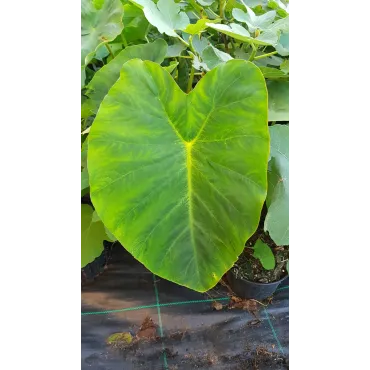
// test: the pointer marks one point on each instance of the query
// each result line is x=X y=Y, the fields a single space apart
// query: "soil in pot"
x=249 y=268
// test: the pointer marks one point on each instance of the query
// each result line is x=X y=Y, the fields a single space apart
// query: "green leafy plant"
x=175 y=149
x=189 y=170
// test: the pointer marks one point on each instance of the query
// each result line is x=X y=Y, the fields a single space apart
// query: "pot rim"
x=262 y=284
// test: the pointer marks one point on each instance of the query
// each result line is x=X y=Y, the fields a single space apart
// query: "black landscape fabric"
x=166 y=326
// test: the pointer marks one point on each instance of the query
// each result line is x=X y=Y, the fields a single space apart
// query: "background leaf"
x=135 y=23
x=99 y=26
x=277 y=218
x=175 y=49
x=273 y=73
x=240 y=33
x=264 y=253
x=92 y=236
x=254 y=21
x=173 y=161
x=212 y=57
x=278 y=100
x=109 y=74
x=166 y=15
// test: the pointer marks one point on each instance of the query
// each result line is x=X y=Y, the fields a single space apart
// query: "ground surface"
x=171 y=327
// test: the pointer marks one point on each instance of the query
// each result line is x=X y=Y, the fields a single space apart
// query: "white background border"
x=40 y=185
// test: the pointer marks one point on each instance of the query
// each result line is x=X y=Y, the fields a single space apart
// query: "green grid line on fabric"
x=273 y=331
x=163 y=305
x=165 y=363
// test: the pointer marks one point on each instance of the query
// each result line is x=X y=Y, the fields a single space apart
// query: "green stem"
x=124 y=40
x=185 y=56
x=232 y=45
x=191 y=78
x=183 y=41
x=265 y=55
x=222 y=7
x=253 y=54
x=110 y=50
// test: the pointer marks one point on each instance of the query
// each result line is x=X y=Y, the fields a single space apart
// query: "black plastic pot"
x=249 y=290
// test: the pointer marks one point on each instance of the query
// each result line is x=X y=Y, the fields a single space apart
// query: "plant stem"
x=222 y=6
x=253 y=54
x=265 y=55
x=184 y=56
x=191 y=78
x=124 y=40
x=183 y=41
x=110 y=50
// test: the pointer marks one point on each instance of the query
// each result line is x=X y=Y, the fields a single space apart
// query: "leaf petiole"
x=253 y=54
x=110 y=50
x=265 y=55
x=191 y=79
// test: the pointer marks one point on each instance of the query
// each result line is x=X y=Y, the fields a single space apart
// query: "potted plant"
x=182 y=115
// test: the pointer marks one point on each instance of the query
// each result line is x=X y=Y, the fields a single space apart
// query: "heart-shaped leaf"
x=99 y=26
x=277 y=218
x=104 y=79
x=92 y=236
x=264 y=253
x=166 y=15
x=180 y=179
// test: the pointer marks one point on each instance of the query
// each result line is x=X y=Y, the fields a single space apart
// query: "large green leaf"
x=277 y=218
x=264 y=253
x=99 y=26
x=180 y=179
x=278 y=100
x=240 y=33
x=104 y=79
x=166 y=15
x=92 y=236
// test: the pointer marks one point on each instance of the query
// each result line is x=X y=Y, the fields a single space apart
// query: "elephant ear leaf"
x=180 y=179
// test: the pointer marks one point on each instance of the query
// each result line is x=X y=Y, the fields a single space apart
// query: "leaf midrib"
x=188 y=145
